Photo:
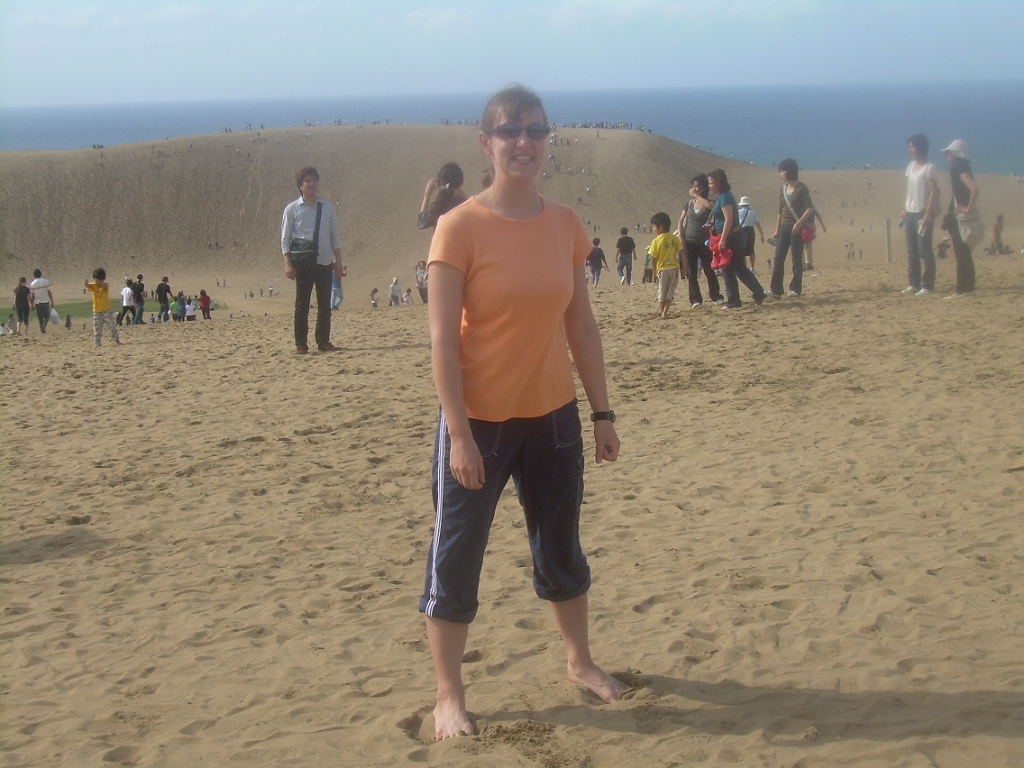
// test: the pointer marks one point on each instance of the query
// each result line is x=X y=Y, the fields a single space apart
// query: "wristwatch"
x=603 y=416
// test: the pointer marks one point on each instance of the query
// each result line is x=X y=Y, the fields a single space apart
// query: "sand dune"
x=211 y=550
x=154 y=208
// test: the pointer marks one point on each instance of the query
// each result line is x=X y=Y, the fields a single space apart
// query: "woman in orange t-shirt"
x=508 y=292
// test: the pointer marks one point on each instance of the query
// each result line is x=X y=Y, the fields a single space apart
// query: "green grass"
x=83 y=309
x=77 y=309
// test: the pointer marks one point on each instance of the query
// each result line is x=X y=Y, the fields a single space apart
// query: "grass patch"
x=77 y=309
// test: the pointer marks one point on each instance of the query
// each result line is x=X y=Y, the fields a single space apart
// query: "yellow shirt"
x=519 y=282
x=665 y=252
x=100 y=295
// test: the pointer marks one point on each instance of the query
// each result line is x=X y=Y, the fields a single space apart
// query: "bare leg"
x=571 y=617
x=447 y=646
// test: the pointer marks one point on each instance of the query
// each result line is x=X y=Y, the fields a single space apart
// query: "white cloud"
x=569 y=14
x=434 y=19
x=73 y=19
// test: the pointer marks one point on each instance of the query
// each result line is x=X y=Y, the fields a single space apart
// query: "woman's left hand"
x=606 y=442
x=963 y=209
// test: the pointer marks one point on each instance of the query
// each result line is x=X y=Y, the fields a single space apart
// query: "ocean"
x=822 y=127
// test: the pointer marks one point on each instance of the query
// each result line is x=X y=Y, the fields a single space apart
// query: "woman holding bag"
x=728 y=242
x=795 y=213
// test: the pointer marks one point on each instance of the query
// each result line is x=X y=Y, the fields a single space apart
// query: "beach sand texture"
x=809 y=553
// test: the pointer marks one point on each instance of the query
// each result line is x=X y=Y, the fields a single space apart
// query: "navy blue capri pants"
x=544 y=457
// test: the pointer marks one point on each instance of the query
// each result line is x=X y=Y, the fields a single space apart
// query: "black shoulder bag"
x=304 y=253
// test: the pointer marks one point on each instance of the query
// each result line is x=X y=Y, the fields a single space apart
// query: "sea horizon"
x=823 y=127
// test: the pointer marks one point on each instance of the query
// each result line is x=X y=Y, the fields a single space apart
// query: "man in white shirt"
x=42 y=298
x=311 y=256
x=127 y=303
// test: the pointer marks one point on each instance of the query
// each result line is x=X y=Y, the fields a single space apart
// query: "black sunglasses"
x=512 y=131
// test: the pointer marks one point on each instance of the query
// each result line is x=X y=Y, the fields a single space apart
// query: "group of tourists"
x=698 y=244
x=37 y=296
x=179 y=308
x=923 y=209
x=715 y=235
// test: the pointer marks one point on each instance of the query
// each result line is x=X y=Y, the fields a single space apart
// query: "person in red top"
x=204 y=305
x=508 y=293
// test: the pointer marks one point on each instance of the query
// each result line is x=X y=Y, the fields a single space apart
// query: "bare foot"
x=450 y=719
x=598 y=682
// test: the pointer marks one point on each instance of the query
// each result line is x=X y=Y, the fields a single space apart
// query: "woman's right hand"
x=431 y=186
x=467 y=464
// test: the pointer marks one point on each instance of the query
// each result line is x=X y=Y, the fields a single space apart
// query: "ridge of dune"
x=155 y=207
x=211 y=549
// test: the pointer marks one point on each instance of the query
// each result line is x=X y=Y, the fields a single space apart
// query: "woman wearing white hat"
x=963 y=222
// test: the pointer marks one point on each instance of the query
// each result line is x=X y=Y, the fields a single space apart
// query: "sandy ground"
x=809 y=554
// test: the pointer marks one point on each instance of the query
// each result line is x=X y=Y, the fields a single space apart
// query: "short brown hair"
x=309 y=170
x=721 y=179
x=512 y=101
x=791 y=169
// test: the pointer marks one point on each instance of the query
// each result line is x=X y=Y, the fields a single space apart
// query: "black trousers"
x=695 y=252
x=964 y=262
x=305 y=280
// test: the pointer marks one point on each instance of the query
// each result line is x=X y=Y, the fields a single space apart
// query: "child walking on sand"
x=101 y=312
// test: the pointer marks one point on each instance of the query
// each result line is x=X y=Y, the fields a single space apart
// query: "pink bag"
x=808 y=232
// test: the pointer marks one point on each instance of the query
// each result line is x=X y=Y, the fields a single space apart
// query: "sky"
x=58 y=52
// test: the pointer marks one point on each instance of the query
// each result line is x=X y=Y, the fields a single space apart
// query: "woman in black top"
x=449 y=180
x=694 y=234
x=22 y=305
x=962 y=215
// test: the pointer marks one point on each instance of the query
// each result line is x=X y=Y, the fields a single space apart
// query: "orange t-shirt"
x=519 y=282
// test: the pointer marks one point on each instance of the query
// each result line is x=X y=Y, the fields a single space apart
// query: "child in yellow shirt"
x=101 y=312
x=665 y=260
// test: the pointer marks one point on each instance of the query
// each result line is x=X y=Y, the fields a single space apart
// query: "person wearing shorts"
x=665 y=258
x=508 y=295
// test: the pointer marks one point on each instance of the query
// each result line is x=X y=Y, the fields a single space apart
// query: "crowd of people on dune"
x=171 y=307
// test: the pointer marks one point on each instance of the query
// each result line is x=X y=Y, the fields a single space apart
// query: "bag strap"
x=746 y=213
x=785 y=194
x=316 y=229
